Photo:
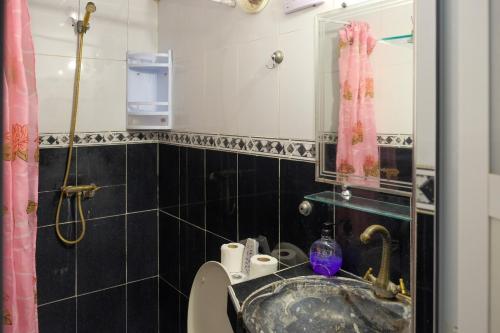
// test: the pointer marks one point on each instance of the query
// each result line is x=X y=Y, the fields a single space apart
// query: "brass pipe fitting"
x=381 y=286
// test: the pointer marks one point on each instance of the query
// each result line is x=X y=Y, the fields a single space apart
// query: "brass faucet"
x=382 y=286
x=88 y=191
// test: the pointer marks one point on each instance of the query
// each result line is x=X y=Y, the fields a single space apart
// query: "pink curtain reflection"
x=357 y=149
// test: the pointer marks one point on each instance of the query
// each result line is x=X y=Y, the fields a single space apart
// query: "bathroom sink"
x=319 y=305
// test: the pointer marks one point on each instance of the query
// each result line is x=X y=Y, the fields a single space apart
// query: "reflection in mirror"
x=364 y=95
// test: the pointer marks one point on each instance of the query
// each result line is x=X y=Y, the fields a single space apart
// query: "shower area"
x=97 y=235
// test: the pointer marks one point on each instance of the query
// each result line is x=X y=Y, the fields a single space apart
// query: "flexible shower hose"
x=76 y=93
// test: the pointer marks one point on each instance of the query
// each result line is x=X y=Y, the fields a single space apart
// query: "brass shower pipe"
x=80 y=191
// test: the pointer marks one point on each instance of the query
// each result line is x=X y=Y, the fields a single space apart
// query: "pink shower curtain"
x=357 y=149
x=20 y=174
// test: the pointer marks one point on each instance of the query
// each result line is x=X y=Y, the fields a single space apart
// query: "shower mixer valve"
x=88 y=191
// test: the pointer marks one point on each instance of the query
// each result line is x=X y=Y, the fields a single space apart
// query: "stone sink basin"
x=322 y=305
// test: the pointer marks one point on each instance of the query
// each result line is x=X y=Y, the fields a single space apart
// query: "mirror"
x=365 y=96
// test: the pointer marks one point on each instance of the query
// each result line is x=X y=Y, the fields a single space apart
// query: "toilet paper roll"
x=286 y=256
x=238 y=277
x=231 y=256
x=261 y=265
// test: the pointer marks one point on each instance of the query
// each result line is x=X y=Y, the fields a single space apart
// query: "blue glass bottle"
x=325 y=254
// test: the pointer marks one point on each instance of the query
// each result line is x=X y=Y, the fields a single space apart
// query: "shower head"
x=89 y=9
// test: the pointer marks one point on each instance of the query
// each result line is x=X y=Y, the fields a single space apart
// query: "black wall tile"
x=103 y=311
x=193 y=213
x=183 y=312
x=222 y=217
x=108 y=201
x=297 y=180
x=142 y=177
x=213 y=246
x=192 y=254
x=221 y=183
x=52 y=167
x=221 y=176
x=142 y=306
x=258 y=198
x=58 y=317
x=400 y=159
x=101 y=254
x=192 y=185
x=331 y=157
x=142 y=245
x=55 y=264
x=169 y=308
x=101 y=165
x=47 y=207
x=169 y=249
x=358 y=257
x=425 y=273
x=169 y=180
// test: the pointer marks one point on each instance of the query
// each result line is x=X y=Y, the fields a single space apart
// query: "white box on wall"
x=149 y=91
x=291 y=6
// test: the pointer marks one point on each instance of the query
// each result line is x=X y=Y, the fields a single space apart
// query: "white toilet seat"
x=207 y=312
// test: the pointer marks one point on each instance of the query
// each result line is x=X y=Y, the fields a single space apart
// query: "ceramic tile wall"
x=222 y=84
x=210 y=197
x=109 y=281
x=117 y=26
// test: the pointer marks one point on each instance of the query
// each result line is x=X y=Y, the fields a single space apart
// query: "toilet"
x=207 y=311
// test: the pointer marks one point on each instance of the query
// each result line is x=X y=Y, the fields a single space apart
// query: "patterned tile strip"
x=96 y=138
x=425 y=180
x=287 y=148
x=293 y=149
x=386 y=140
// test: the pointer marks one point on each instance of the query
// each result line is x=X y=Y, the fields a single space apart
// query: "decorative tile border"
x=385 y=140
x=289 y=148
x=286 y=148
x=294 y=149
x=425 y=179
x=97 y=138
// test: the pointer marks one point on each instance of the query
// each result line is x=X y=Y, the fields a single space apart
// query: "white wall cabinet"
x=149 y=91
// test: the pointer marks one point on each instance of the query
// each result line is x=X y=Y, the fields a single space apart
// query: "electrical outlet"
x=291 y=6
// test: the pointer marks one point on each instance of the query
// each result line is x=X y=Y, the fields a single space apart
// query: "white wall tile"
x=55 y=92
x=258 y=111
x=296 y=85
x=393 y=102
x=184 y=27
x=52 y=26
x=102 y=95
x=107 y=37
x=103 y=85
x=266 y=103
x=188 y=94
x=143 y=26
x=221 y=92
x=303 y=19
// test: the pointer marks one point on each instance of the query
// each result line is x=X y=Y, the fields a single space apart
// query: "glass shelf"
x=387 y=209
x=401 y=40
